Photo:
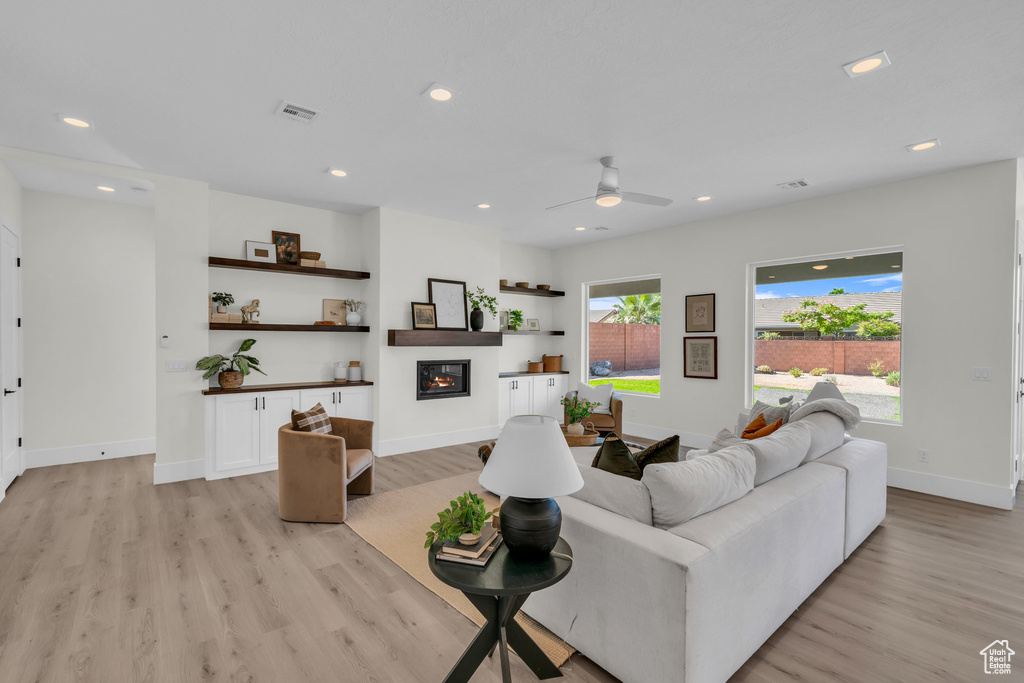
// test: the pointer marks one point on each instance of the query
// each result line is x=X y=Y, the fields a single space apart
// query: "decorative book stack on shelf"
x=477 y=555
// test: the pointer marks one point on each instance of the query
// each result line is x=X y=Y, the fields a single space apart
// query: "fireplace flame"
x=439 y=382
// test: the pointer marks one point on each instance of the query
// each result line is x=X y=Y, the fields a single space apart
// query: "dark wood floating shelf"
x=442 y=338
x=531 y=291
x=242 y=264
x=246 y=327
x=259 y=388
x=527 y=374
x=557 y=333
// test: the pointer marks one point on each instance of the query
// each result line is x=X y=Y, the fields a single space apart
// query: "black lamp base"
x=530 y=526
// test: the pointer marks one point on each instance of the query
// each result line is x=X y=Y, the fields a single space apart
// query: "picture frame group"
x=424 y=316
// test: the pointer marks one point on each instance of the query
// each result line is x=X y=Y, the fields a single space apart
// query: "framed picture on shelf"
x=700 y=357
x=449 y=299
x=502 y=320
x=287 y=245
x=700 y=313
x=533 y=324
x=424 y=316
x=260 y=252
x=334 y=311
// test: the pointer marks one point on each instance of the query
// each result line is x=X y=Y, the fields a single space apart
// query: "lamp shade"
x=531 y=460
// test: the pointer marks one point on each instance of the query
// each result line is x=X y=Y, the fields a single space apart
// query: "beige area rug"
x=396 y=523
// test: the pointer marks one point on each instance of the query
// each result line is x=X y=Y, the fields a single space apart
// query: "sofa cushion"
x=780 y=452
x=666 y=450
x=723 y=439
x=681 y=491
x=621 y=495
x=314 y=420
x=601 y=394
x=760 y=428
x=771 y=413
x=615 y=457
x=826 y=432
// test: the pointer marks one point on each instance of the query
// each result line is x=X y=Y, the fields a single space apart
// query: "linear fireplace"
x=441 y=379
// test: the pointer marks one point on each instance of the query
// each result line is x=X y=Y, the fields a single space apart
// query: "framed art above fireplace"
x=449 y=299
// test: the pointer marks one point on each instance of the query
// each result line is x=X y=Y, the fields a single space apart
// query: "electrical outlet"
x=922 y=455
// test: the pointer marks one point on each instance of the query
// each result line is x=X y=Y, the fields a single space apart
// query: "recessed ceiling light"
x=580 y=228
x=821 y=267
x=923 y=145
x=104 y=188
x=896 y=266
x=483 y=206
x=439 y=93
x=849 y=258
x=771 y=277
x=703 y=198
x=77 y=123
x=337 y=172
x=864 y=65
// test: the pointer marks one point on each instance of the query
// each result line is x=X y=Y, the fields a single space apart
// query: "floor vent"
x=294 y=112
x=792 y=185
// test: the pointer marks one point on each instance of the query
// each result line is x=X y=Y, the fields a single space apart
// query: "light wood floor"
x=104 y=577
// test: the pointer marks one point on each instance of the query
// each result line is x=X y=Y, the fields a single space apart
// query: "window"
x=624 y=334
x=839 y=320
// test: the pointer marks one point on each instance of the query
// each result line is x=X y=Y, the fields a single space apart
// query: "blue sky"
x=892 y=282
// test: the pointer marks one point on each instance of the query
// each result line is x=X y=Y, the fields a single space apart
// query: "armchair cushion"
x=357 y=460
x=314 y=420
x=601 y=395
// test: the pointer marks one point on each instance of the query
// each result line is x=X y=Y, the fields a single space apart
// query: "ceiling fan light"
x=608 y=199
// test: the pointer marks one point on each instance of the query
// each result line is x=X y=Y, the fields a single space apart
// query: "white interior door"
x=10 y=357
x=1018 y=414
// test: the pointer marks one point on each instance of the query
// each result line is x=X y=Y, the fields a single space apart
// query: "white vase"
x=352 y=318
x=576 y=429
x=222 y=309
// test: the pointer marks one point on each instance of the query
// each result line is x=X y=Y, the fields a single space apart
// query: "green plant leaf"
x=246 y=345
x=211 y=372
x=209 y=362
x=243 y=365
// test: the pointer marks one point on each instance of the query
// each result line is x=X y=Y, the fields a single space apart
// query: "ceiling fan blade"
x=645 y=199
x=575 y=201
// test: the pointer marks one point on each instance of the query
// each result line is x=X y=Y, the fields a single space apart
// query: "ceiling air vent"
x=294 y=112
x=792 y=185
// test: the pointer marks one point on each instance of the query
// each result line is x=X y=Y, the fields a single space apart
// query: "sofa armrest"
x=357 y=433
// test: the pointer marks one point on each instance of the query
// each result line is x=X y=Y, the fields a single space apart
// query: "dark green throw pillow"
x=614 y=456
x=666 y=450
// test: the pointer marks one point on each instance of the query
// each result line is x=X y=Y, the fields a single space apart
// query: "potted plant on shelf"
x=232 y=370
x=515 y=320
x=461 y=521
x=578 y=410
x=480 y=300
x=353 y=307
x=223 y=300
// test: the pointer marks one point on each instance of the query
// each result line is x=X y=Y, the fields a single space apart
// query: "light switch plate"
x=175 y=366
x=982 y=374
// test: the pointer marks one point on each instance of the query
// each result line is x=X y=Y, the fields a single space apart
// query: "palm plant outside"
x=643 y=309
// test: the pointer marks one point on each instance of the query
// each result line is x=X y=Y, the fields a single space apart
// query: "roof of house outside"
x=768 y=312
x=602 y=315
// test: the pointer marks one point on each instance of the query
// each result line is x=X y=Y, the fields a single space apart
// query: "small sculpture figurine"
x=249 y=311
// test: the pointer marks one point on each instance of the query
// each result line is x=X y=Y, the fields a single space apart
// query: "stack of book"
x=310 y=263
x=477 y=555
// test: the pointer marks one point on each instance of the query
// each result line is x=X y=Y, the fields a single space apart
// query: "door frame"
x=1017 y=378
x=20 y=456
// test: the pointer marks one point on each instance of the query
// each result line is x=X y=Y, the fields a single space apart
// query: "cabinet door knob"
x=257 y=399
x=264 y=403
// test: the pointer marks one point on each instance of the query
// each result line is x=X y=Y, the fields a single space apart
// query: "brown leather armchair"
x=316 y=471
x=602 y=422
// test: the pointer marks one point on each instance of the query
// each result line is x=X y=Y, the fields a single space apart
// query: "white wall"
x=88 y=320
x=10 y=198
x=518 y=263
x=956 y=229
x=285 y=298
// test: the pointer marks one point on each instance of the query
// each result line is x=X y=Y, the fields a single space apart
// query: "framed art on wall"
x=287 y=245
x=502 y=320
x=334 y=311
x=700 y=357
x=260 y=252
x=449 y=299
x=700 y=313
x=424 y=316
x=533 y=324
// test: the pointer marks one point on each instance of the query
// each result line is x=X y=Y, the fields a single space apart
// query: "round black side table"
x=498 y=591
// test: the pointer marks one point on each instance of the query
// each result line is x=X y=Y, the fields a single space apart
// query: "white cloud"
x=893 y=289
x=767 y=295
x=885 y=279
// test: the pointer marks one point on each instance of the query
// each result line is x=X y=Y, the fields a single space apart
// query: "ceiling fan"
x=608 y=193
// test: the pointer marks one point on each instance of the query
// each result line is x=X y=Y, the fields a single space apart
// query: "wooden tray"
x=588 y=438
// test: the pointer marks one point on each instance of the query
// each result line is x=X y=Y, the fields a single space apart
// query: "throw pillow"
x=760 y=427
x=614 y=456
x=723 y=439
x=779 y=453
x=681 y=491
x=314 y=420
x=771 y=413
x=601 y=394
x=666 y=450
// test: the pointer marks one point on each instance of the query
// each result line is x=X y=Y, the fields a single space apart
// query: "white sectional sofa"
x=692 y=603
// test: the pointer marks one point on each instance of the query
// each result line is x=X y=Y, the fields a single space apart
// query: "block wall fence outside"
x=842 y=357
x=627 y=346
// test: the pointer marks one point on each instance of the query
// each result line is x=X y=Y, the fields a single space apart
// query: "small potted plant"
x=232 y=370
x=353 y=307
x=578 y=410
x=515 y=320
x=223 y=300
x=461 y=521
x=480 y=300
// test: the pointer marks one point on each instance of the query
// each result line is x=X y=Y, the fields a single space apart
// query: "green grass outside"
x=643 y=386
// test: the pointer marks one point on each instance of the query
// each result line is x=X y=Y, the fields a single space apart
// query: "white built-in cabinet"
x=241 y=428
x=531 y=395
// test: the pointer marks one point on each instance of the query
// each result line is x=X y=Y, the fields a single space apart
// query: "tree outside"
x=829 y=319
x=638 y=309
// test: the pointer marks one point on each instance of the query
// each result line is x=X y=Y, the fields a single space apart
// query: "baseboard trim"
x=169 y=472
x=691 y=439
x=990 y=495
x=428 y=441
x=47 y=457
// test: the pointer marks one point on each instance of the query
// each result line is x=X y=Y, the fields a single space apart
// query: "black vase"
x=476 y=320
